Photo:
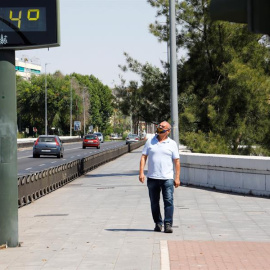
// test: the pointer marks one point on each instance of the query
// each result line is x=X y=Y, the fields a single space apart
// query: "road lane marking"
x=24 y=157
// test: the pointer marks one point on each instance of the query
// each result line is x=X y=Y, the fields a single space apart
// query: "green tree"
x=149 y=101
x=87 y=92
x=223 y=81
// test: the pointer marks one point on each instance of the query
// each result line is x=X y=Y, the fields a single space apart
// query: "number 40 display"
x=23 y=19
x=29 y=24
x=32 y=15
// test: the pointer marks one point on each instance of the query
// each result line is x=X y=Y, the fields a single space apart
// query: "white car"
x=100 y=136
x=131 y=138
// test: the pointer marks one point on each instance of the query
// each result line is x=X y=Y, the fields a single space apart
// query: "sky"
x=94 y=36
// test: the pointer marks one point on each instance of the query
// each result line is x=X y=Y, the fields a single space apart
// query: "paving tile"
x=103 y=221
x=218 y=255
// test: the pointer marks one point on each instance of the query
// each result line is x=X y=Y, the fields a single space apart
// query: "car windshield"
x=46 y=139
x=133 y=136
x=98 y=134
x=90 y=137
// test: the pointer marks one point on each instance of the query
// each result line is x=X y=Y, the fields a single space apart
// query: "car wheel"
x=35 y=156
x=59 y=156
x=83 y=147
x=98 y=147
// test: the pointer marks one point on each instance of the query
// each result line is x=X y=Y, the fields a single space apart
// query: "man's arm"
x=142 y=164
x=177 y=172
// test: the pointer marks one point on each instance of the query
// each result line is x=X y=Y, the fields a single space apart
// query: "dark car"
x=100 y=136
x=132 y=138
x=48 y=145
x=91 y=140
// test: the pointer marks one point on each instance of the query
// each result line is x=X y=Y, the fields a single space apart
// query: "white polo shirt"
x=160 y=158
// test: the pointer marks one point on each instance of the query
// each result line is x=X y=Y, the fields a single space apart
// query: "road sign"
x=77 y=125
x=29 y=24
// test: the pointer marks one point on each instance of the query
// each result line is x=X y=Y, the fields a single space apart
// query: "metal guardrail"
x=34 y=186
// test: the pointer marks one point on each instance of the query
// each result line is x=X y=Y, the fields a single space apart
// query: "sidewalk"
x=103 y=221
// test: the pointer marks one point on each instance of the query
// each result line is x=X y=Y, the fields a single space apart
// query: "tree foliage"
x=149 y=101
x=89 y=97
x=223 y=81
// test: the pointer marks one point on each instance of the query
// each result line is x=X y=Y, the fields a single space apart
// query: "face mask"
x=161 y=130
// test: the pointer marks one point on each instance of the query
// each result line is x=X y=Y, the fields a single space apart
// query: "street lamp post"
x=70 y=131
x=46 y=118
x=173 y=74
x=84 y=111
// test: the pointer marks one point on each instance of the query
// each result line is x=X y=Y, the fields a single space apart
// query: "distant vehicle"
x=131 y=138
x=91 y=140
x=100 y=136
x=48 y=145
x=114 y=137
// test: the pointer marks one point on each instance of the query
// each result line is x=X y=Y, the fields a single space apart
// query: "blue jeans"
x=167 y=188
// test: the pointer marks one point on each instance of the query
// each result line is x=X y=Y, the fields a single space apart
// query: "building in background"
x=26 y=67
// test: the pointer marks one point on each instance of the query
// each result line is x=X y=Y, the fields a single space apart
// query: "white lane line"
x=73 y=148
x=53 y=162
x=24 y=157
x=28 y=169
x=164 y=253
x=42 y=165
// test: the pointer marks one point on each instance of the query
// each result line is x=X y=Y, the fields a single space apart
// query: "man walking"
x=163 y=174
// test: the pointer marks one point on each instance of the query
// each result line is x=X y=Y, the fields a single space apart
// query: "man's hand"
x=142 y=164
x=176 y=182
x=141 y=178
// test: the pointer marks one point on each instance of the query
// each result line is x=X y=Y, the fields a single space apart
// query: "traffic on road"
x=27 y=164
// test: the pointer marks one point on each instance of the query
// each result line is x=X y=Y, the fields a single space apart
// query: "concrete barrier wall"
x=241 y=174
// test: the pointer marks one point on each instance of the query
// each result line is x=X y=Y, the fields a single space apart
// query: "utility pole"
x=46 y=110
x=70 y=131
x=173 y=74
x=84 y=110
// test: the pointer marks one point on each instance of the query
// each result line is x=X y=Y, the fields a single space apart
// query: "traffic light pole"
x=8 y=151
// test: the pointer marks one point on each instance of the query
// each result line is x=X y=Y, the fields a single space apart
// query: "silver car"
x=131 y=138
x=100 y=136
x=48 y=145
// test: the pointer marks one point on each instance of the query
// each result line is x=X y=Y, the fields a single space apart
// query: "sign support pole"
x=8 y=151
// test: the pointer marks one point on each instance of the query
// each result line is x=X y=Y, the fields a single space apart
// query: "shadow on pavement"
x=129 y=230
x=131 y=173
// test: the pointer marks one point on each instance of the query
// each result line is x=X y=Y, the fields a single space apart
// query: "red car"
x=91 y=140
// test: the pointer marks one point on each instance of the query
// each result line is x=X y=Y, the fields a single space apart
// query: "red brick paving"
x=189 y=255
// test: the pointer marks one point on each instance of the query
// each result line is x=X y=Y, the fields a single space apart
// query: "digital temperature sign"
x=26 y=24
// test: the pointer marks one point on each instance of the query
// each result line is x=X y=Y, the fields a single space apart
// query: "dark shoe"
x=158 y=227
x=168 y=228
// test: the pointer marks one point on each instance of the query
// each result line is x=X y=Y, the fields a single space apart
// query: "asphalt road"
x=73 y=151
